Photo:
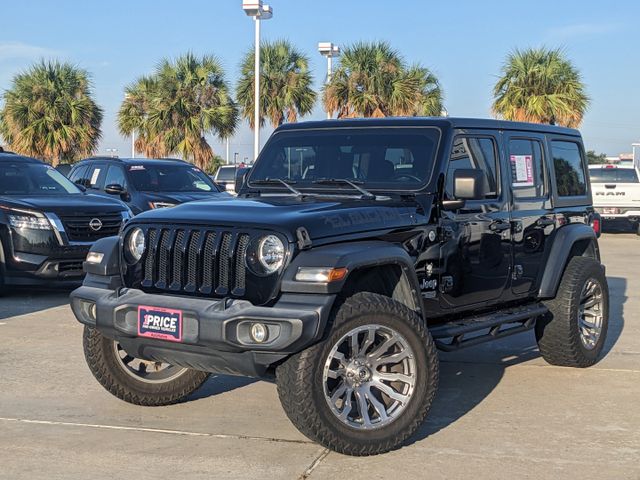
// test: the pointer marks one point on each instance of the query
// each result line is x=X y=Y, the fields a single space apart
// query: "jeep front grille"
x=193 y=261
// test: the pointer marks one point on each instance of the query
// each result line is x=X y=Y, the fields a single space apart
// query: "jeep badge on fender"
x=355 y=249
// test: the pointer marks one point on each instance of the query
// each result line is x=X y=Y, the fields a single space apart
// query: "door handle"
x=545 y=222
x=499 y=226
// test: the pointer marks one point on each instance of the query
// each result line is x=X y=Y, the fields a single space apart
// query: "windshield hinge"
x=304 y=240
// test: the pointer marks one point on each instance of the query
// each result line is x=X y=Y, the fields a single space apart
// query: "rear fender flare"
x=564 y=242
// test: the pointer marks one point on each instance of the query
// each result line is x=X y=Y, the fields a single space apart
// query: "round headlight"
x=271 y=253
x=135 y=244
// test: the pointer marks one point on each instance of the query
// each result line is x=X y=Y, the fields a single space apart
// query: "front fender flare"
x=352 y=256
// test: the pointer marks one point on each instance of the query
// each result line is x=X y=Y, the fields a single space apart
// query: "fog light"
x=92 y=311
x=259 y=332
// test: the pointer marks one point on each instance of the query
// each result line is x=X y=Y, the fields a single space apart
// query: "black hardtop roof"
x=442 y=122
x=136 y=161
x=15 y=158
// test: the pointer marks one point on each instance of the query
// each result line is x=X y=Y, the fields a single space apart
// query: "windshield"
x=169 y=178
x=382 y=158
x=613 y=175
x=226 y=173
x=33 y=179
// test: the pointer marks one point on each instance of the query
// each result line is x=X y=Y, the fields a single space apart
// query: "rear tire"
x=573 y=333
x=105 y=360
x=367 y=399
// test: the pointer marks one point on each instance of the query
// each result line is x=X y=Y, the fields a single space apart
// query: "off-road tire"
x=557 y=333
x=300 y=378
x=100 y=356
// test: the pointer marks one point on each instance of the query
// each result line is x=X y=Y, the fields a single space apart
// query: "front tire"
x=134 y=380
x=574 y=331
x=369 y=385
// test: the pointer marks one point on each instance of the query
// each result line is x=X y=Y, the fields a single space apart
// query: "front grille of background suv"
x=208 y=261
x=78 y=229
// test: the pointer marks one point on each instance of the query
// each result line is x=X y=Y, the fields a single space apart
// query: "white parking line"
x=152 y=430
x=3 y=323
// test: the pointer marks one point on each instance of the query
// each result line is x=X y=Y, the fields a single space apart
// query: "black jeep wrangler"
x=355 y=250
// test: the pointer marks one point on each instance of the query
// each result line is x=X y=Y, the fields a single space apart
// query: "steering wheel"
x=406 y=175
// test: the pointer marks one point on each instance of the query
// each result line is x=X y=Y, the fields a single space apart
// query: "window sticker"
x=522 y=170
x=133 y=168
x=94 y=176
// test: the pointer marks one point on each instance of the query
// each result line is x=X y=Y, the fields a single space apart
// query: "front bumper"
x=215 y=331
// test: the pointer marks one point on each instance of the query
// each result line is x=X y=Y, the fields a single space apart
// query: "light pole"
x=259 y=11
x=133 y=144
x=329 y=50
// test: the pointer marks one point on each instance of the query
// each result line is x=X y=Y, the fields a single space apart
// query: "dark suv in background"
x=144 y=184
x=47 y=223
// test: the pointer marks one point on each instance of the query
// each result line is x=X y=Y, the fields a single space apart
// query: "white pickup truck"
x=616 y=194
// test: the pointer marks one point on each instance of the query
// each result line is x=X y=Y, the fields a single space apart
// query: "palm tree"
x=542 y=86
x=172 y=110
x=49 y=113
x=373 y=80
x=285 y=84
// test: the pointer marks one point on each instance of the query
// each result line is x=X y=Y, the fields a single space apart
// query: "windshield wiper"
x=343 y=181
x=276 y=181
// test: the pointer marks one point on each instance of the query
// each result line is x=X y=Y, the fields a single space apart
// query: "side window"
x=477 y=153
x=527 y=168
x=569 y=169
x=95 y=176
x=77 y=176
x=115 y=175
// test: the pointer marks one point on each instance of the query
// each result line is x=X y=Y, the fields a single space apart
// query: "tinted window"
x=115 y=176
x=613 y=175
x=78 y=174
x=527 y=171
x=476 y=153
x=169 y=178
x=226 y=174
x=95 y=176
x=33 y=179
x=399 y=159
x=567 y=163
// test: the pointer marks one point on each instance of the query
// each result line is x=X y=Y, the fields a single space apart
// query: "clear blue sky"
x=464 y=43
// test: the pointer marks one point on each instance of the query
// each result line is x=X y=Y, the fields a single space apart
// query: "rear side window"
x=569 y=169
x=613 y=175
x=475 y=153
x=527 y=172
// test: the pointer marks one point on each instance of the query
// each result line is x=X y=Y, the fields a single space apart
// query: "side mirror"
x=240 y=177
x=469 y=184
x=114 y=189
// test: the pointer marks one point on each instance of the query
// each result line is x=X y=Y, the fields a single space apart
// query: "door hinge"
x=518 y=271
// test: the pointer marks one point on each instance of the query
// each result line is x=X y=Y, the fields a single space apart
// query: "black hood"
x=181 y=197
x=65 y=204
x=321 y=216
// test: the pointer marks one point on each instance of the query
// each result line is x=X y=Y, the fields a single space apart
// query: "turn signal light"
x=320 y=274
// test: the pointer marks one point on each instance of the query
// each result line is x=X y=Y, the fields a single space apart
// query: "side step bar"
x=524 y=319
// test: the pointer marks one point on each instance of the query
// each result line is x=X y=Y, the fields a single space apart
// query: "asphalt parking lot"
x=501 y=411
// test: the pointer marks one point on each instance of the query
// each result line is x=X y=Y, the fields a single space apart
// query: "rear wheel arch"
x=578 y=240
